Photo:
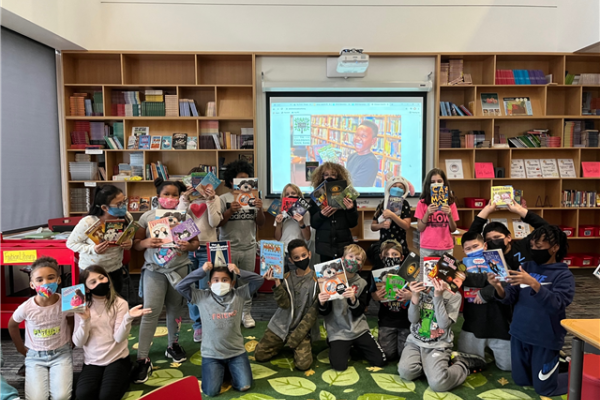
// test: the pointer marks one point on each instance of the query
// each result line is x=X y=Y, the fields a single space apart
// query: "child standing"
x=540 y=291
x=205 y=211
x=436 y=224
x=345 y=319
x=393 y=315
x=332 y=225
x=221 y=311
x=162 y=269
x=239 y=227
x=295 y=227
x=109 y=203
x=297 y=299
x=47 y=348
x=428 y=348
x=102 y=331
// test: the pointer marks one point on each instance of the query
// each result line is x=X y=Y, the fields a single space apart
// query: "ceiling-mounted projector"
x=351 y=63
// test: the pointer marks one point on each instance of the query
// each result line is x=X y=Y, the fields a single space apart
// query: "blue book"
x=73 y=298
x=209 y=181
x=476 y=265
x=458 y=110
x=275 y=208
x=144 y=142
x=165 y=144
x=526 y=77
x=496 y=263
x=443 y=109
x=272 y=256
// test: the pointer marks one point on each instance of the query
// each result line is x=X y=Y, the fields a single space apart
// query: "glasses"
x=119 y=204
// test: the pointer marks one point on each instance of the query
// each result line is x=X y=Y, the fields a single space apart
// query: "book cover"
x=133 y=204
x=275 y=208
x=96 y=232
x=301 y=206
x=454 y=169
x=439 y=195
x=210 y=181
x=496 y=263
x=389 y=278
x=490 y=106
x=195 y=180
x=310 y=167
x=160 y=229
x=517 y=168
x=166 y=143
x=73 y=298
x=566 y=168
x=520 y=228
x=517 y=106
x=219 y=253
x=144 y=142
x=144 y=204
x=475 y=265
x=245 y=191
x=140 y=131
x=484 y=170
x=470 y=293
x=394 y=204
x=590 y=169
x=429 y=266
x=286 y=205
x=192 y=143
x=319 y=196
x=132 y=142
x=180 y=141
x=272 y=256
x=348 y=193
x=155 y=143
x=411 y=267
x=332 y=279
x=549 y=168
x=332 y=189
x=533 y=169
x=128 y=233
x=113 y=229
x=185 y=230
x=153 y=202
x=450 y=271
x=502 y=195
x=518 y=196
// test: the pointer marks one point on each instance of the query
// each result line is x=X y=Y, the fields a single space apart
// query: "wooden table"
x=584 y=330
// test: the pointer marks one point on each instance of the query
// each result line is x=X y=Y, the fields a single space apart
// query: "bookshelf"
x=552 y=106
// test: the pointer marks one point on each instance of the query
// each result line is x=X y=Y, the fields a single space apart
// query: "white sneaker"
x=248 y=321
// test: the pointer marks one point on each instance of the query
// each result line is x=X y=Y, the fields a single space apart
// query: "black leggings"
x=339 y=351
x=104 y=383
x=117 y=280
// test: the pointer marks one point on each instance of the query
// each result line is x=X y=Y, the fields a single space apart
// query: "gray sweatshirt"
x=221 y=315
x=431 y=320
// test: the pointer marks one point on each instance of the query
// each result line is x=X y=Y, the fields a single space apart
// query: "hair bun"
x=158 y=181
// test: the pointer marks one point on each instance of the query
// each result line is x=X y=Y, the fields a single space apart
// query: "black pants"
x=117 y=280
x=104 y=383
x=339 y=351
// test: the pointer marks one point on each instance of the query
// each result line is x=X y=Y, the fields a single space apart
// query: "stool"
x=590 y=382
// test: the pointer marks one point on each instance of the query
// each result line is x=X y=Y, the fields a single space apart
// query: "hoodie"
x=537 y=316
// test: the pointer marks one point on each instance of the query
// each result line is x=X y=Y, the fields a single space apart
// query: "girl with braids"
x=109 y=203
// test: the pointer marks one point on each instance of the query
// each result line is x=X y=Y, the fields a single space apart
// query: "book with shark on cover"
x=219 y=253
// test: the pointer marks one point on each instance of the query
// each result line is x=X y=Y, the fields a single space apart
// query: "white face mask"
x=220 y=288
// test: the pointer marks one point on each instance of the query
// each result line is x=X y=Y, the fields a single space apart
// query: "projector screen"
x=370 y=133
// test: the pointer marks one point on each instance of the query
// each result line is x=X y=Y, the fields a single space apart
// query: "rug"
x=278 y=379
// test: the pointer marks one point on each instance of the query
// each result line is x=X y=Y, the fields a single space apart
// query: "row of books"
x=531 y=140
x=448 y=109
x=187 y=108
x=520 y=77
x=582 y=79
x=449 y=138
x=80 y=105
x=351 y=123
x=178 y=141
x=80 y=199
x=580 y=198
x=580 y=134
x=452 y=73
x=543 y=168
x=83 y=170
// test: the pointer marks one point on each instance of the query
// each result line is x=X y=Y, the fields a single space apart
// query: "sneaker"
x=248 y=321
x=143 y=371
x=471 y=362
x=176 y=352
x=198 y=335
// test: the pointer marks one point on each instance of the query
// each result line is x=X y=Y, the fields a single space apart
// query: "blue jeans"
x=49 y=374
x=198 y=258
x=213 y=371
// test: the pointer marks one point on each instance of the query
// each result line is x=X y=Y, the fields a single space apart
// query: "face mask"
x=540 y=257
x=168 y=203
x=302 y=264
x=330 y=179
x=496 y=244
x=396 y=192
x=392 y=261
x=352 y=266
x=118 y=211
x=220 y=288
x=476 y=253
x=101 y=289
x=47 y=289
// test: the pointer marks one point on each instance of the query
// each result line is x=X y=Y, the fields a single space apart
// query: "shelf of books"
x=529 y=121
x=131 y=117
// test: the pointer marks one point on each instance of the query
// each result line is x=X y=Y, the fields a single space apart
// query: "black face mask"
x=392 y=261
x=101 y=289
x=496 y=244
x=292 y=197
x=540 y=257
x=331 y=179
x=302 y=264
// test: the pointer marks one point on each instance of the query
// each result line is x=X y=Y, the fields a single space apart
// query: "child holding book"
x=109 y=203
x=297 y=300
x=163 y=268
x=393 y=315
x=345 y=319
x=293 y=227
x=205 y=211
x=436 y=223
x=221 y=308
x=102 y=330
x=540 y=291
x=238 y=226
x=428 y=348
x=47 y=348
x=332 y=225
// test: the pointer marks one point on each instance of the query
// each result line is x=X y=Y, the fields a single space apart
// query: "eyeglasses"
x=119 y=204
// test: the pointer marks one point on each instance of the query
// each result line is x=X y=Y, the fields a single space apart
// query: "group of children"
x=416 y=328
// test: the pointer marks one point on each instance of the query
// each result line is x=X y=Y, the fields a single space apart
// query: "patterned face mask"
x=392 y=261
x=352 y=266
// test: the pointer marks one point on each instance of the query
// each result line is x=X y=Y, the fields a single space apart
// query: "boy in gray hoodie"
x=297 y=298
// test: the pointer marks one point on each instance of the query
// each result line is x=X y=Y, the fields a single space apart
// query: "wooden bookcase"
x=552 y=105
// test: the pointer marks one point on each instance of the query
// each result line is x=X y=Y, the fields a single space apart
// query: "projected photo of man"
x=363 y=165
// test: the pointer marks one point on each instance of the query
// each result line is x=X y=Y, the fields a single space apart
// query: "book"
x=140 y=131
x=533 y=168
x=518 y=196
x=470 y=293
x=348 y=193
x=180 y=141
x=301 y=206
x=144 y=204
x=333 y=189
x=450 y=271
x=128 y=233
x=454 y=169
x=96 y=232
x=502 y=195
x=144 y=142
x=310 y=167
x=192 y=143
x=272 y=257
x=520 y=228
x=219 y=253
x=429 y=265
x=155 y=143
x=475 y=265
x=186 y=230
x=166 y=143
x=210 y=181
x=332 y=279
x=319 y=196
x=411 y=267
x=517 y=106
x=275 y=208
x=517 y=168
x=133 y=204
x=132 y=142
x=490 y=106
x=590 y=169
x=160 y=229
x=484 y=170
x=245 y=191
x=73 y=298
x=566 y=168
x=113 y=229
x=439 y=195
x=395 y=282
x=549 y=168
x=496 y=263
x=286 y=204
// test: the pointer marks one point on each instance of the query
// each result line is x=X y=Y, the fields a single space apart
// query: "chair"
x=187 y=388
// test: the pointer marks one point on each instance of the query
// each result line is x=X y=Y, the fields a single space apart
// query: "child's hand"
x=386 y=224
x=323 y=298
x=138 y=311
x=235 y=206
x=185 y=246
x=328 y=211
x=151 y=243
x=233 y=268
x=478 y=299
x=490 y=207
x=101 y=248
x=379 y=294
x=416 y=287
x=279 y=218
x=431 y=209
x=207 y=266
x=258 y=203
x=210 y=194
x=299 y=218
x=439 y=287
x=127 y=245
x=493 y=280
x=446 y=210
x=186 y=195
x=388 y=214
x=520 y=277
x=269 y=276
x=403 y=295
x=350 y=293
x=85 y=314
x=348 y=203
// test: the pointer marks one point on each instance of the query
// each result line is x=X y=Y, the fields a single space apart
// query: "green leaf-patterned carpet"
x=278 y=379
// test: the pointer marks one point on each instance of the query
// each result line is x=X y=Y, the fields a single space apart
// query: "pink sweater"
x=103 y=336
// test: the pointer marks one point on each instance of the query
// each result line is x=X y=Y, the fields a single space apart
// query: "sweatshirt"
x=221 y=315
x=344 y=320
x=103 y=336
x=431 y=320
x=206 y=215
x=537 y=316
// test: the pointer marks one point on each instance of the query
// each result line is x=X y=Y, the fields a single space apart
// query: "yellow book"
x=502 y=195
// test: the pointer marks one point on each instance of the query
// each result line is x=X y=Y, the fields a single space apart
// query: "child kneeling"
x=221 y=308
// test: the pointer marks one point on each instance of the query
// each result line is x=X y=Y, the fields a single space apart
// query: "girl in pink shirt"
x=436 y=223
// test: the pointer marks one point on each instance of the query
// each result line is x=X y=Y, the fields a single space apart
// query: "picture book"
x=470 y=293
x=219 y=253
x=429 y=265
x=518 y=196
x=475 y=265
x=140 y=131
x=450 y=271
x=144 y=204
x=348 y=193
x=496 y=263
x=520 y=228
x=275 y=208
x=502 y=195
x=153 y=202
x=411 y=267
x=166 y=143
x=286 y=204
x=517 y=106
x=144 y=142
x=566 y=168
x=160 y=229
x=332 y=279
x=301 y=206
x=155 y=143
x=73 y=298
x=310 y=167
x=133 y=204
x=245 y=191
x=113 y=229
x=533 y=168
x=174 y=216
x=333 y=189
x=185 y=231
x=490 y=106
x=439 y=195
x=392 y=203
x=195 y=180
x=380 y=277
x=192 y=143
x=179 y=141
x=128 y=233
x=319 y=195
x=210 y=181
x=454 y=169
x=549 y=168
x=96 y=232
x=272 y=256
x=132 y=142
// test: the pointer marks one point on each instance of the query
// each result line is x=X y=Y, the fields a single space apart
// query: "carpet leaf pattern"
x=393 y=383
x=196 y=359
x=475 y=380
x=325 y=395
x=293 y=386
x=378 y=396
x=164 y=377
x=503 y=394
x=431 y=395
x=261 y=372
x=284 y=363
x=341 y=378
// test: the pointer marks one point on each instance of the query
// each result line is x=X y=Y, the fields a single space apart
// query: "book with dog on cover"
x=332 y=279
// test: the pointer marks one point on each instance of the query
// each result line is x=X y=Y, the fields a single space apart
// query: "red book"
x=287 y=203
x=484 y=170
x=511 y=77
x=498 y=77
x=590 y=169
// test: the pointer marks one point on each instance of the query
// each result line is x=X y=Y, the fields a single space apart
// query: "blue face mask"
x=47 y=289
x=396 y=192
x=476 y=253
x=118 y=211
